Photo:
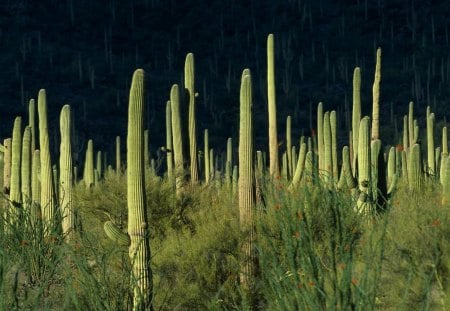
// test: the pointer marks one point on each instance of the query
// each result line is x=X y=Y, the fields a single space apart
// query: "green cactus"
x=431 y=169
x=300 y=166
x=169 y=148
x=391 y=166
x=364 y=203
x=98 y=165
x=415 y=168
x=405 y=133
x=177 y=138
x=36 y=186
x=444 y=141
x=48 y=202
x=146 y=152
x=89 y=175
x=289 y=146
x=207 y=159
x=32 y=123
x=116 y=234
x=118 y=156
x=139 y=250
x=189 y=78
x=334 y=157
x=356 y=116
x=378 y=170
x=272 y=108
x=446 y=183
x=15 y=195
x=26 y=168
x=320 y=138
x=376 y=98
x=327 y=169
x=411 y=124
x=229 y=161
x=247 y=191
x=66 y=176
x=212 y=171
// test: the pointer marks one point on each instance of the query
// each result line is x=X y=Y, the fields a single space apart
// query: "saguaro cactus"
x=66 y=177
x=139 y=250
x=169 y=152
x=47 y=191
x=177 y=138
x=207 y=159
x=271 y=93
x=89 y=175
x=189 y=84
x=376 y=98
x=356 y=115
x=25 y=168
x=15 y=193
x=364 y=168
x=247 y=190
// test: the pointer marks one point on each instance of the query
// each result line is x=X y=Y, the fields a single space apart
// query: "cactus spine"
x=376 y=98
x=271 y=93
x=247 y=191
x=189 y=83
x=139 y=250
x=66 y=177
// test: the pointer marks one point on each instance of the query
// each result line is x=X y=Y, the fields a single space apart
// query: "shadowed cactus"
x=169 y=152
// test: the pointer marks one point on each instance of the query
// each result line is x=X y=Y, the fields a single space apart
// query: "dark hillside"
x=84 y=52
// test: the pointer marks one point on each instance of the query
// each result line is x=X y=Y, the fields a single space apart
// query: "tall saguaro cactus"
x=15 y=195
x=271 y=94
x=376 y=98
x=47 y=191
x=89 y=176
x=356 y=115
x=247 y=190
x=25 y=168
x=139 y=250
x=177 y=137
x=66 y=177
x=169 y=152
x=189 y=84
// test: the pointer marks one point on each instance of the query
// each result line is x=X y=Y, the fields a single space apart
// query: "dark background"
x=83 y=52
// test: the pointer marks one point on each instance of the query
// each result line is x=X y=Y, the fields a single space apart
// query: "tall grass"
x=315 y=251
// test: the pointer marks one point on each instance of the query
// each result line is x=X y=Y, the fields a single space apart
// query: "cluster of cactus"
x=369 y=174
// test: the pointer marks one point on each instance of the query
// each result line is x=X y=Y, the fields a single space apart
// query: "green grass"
x=315 y=252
